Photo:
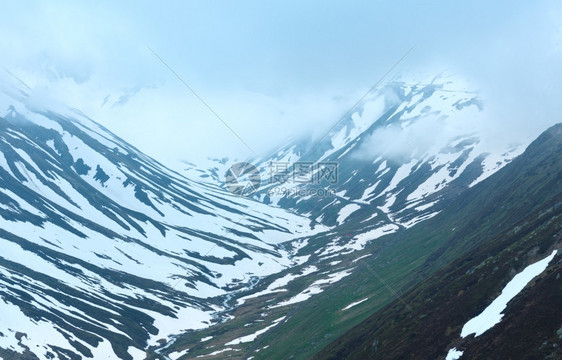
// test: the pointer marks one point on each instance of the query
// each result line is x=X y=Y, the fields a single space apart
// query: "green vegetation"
x=508 y=209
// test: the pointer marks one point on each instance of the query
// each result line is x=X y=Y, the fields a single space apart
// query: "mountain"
x=371 y=255
x=402 y=152
x=110 y=254
x=104 y=250
x=511 y=222
x=325 y=307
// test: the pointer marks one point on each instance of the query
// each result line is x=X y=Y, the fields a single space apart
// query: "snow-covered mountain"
x=108 y=253
x=496 y=293
x=396 y=159
x=402 y=151
x=105 y=250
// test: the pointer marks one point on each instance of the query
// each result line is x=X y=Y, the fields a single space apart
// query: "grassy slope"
x=438 y=308
x=406 y=258
x=398 y=262
x=514 y=214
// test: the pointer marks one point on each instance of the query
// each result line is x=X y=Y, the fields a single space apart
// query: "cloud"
x=397 y=144
x=275 y=70
x=515 y=67
x=517 y=70
x=175 y=117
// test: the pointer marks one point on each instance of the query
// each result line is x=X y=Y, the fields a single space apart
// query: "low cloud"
x=271 y=77
x=399 y=144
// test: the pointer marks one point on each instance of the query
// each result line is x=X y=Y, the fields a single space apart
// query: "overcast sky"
x=272 y=69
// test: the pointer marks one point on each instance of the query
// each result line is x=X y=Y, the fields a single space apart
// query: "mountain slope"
x=388 y=266
x=403 y=151
x=517 y=221
x=359 y=257
x=106 y=251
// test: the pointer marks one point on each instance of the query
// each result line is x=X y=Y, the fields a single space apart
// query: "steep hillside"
x=109 y=254
x=516 y=221
x=104 y=250
x=365 y=261
x=401 y=151
x=389 y=266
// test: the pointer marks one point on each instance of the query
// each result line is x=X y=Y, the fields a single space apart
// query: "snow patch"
x=252 y=337
x=493 y=313
x=315 y=288
x=346 y=211
x=454 y=354
x=354 y=304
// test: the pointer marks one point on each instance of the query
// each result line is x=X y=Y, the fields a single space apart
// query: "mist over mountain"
x=108 y=253
x=244 y=180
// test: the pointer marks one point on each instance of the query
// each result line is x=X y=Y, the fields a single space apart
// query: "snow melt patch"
x=354 y=304
x=361 y=258
x=218 y=352
x=278 y=284
x=454 y=354
x=316 y=288
x=186 y=319
x=361 y=240
x=494 y=162
x=358 y=242
x=177 y=354
x=346 y=211
x=252 y=337
x=493 y=313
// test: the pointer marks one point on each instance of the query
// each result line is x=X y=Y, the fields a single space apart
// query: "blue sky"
x=272 y=69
